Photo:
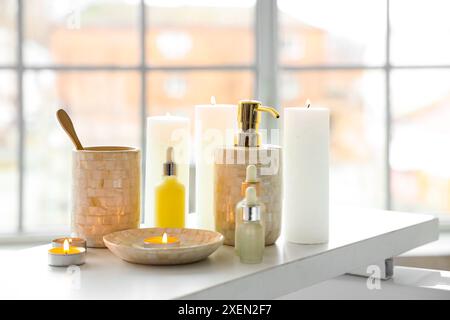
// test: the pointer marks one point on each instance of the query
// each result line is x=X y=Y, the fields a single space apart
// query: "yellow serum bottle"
x=169 y=197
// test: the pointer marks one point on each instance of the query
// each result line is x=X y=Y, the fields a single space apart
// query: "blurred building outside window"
x=174 y=45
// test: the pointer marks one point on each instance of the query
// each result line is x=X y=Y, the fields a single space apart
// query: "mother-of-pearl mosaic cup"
x=105 y=192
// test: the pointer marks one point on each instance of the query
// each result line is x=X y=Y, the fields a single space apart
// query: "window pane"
x=356 y=102
x=178 y=92
x=420 y=148
x=332 y=32
x=200 y=32
x=105 y=111
x=81 y=32
x=420 y=32
x=7 y=31
x=8 y=153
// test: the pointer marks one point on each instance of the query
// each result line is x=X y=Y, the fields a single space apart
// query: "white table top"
x=358 y=237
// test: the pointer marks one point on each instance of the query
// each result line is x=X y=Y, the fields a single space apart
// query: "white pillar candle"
x=306 y=174
x=214 y=127
x=163 y=132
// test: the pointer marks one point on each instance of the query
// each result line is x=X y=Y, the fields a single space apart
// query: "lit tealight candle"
x=73 y=242
x=163 y=241
x=66 y=255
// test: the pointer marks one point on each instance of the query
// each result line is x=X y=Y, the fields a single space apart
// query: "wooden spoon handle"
x=67 y=125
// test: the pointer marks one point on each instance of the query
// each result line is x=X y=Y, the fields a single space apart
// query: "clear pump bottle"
x=249 y=241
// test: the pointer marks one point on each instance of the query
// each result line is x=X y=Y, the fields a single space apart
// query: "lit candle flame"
x=213 y=100
x=164 y=238
x=66 y=246
x=308 y=103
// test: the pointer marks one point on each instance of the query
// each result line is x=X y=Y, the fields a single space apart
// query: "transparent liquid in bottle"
x=250 y=241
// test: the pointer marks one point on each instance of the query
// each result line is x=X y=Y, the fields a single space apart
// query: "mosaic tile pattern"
x=227 y=190
x=195 y=245
x=105 y=192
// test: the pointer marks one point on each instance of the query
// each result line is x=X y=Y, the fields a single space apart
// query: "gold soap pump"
x=249 y=118
x=230 y=172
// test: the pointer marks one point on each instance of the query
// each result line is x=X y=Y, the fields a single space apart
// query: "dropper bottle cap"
x=251 y=207
x=251 y=179
x=250 y=175
x=169 y=167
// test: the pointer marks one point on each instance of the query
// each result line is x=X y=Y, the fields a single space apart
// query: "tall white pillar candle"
x=163 y=132
x=306 y=174
x=214 y=127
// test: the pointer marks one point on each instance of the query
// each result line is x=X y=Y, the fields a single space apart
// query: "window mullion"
x=143 y=109
x=20 y=116
x=267 y=55
x=388 y=117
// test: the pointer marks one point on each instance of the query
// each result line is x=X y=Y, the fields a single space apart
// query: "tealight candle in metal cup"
x=66 y=255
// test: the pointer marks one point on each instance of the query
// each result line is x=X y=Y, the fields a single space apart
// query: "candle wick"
x=307 y=104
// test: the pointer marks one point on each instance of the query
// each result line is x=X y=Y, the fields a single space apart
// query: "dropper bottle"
x=251 y=180
x=249 y=234
x=169 y=196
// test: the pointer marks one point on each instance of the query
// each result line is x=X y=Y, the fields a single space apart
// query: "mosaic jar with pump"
x=230 y=171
